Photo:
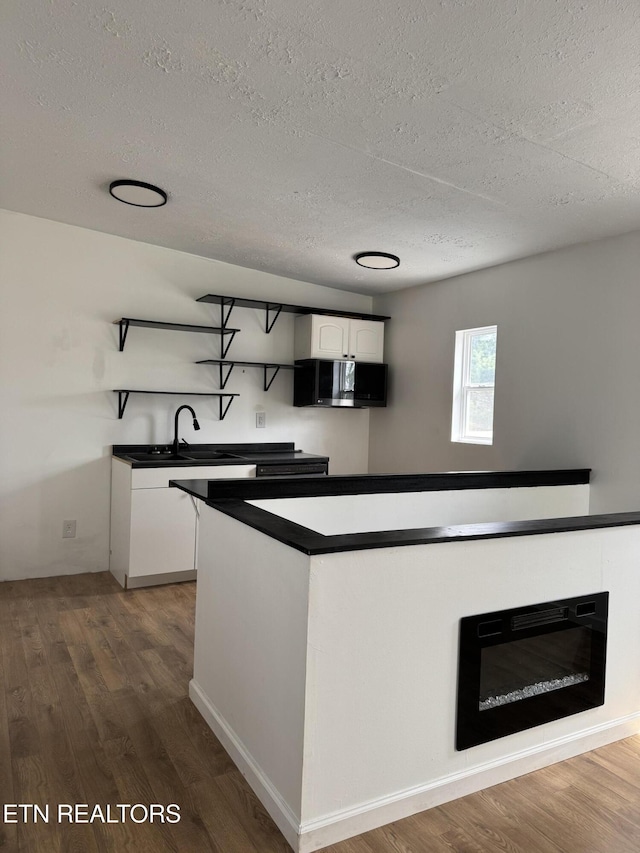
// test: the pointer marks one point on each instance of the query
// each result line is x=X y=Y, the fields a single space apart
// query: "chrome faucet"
x=176 y=440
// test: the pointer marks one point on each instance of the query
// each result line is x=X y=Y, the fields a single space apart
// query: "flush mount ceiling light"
x=138 y=193
x=377 y=260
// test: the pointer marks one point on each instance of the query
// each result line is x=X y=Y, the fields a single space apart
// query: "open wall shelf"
x=266 y=365
x=123 y=398
x=273 y=309
x=225 y=333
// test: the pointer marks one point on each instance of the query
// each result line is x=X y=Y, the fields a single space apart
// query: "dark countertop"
x=359 y=484
x=283 y=457
x=230 y=496
x=278 y=453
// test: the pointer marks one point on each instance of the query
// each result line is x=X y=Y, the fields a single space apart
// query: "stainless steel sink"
x=187 y=456
x=158 y=457
x=204 y=455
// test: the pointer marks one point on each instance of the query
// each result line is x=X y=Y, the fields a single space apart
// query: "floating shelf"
x=274 y=308
x=123 y=398
x=125 y=322
x=267 y=365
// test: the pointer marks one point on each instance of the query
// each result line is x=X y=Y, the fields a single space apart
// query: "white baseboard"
x=285 y=820
x=337 y=827
x=157 y=580
x=316 y=834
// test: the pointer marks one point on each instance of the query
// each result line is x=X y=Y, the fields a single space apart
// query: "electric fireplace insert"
x=523 y=667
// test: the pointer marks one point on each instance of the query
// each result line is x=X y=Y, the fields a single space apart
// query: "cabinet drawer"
x=157 y=478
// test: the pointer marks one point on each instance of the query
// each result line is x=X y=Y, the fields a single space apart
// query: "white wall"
x=568 y=369
x=382 y=668
x=61 y=289
x=331 y=680
x=332 y=515
x=251 y=648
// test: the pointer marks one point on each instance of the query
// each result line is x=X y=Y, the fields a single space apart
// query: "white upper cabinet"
x=366 y=340
x=329 y=336
x=320 y=336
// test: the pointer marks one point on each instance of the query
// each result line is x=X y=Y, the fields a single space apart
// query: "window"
x=474 y=376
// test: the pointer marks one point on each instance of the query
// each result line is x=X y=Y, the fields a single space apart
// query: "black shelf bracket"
x=266 y=366
x=224 y=344
x=271 y=323
x=126 y=322
x=276 y=370
x=222 y=408
x=271 y=305
x=225 y=378
x=123 y=399
x=124 y=328
x=224 y=317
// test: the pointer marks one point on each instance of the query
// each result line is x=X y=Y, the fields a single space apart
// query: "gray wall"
x=567 y=373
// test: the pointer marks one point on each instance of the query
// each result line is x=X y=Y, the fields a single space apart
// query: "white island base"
x=331 y=679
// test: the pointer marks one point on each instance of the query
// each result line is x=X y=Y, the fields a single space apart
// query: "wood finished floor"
x=94 y=709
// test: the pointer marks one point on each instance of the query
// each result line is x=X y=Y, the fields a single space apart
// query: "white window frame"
x=462 y=386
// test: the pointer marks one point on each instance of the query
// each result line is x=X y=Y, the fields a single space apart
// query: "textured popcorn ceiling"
x=291 y=134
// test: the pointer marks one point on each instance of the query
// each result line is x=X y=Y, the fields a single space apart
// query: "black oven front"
x=292 y=469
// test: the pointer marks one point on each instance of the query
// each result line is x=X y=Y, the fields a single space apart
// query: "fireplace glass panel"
x=523 y=668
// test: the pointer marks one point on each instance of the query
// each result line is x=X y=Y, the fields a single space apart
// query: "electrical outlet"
x=69 y=529
x=261 y=420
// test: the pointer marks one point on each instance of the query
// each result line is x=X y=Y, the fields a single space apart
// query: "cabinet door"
x=119 y=546
x=163 y=532
x=366 y=340
x=329 y=337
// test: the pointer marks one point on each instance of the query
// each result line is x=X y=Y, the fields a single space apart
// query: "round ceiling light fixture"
x=377 y=260
x=138 y=193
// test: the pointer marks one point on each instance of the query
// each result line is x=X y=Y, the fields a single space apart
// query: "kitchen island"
x=328 y=632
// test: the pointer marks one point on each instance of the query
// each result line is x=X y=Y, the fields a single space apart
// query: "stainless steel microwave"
x=355 y=384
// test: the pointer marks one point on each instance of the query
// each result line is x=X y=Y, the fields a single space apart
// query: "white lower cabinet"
x=154 y=527
x=163 y=532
